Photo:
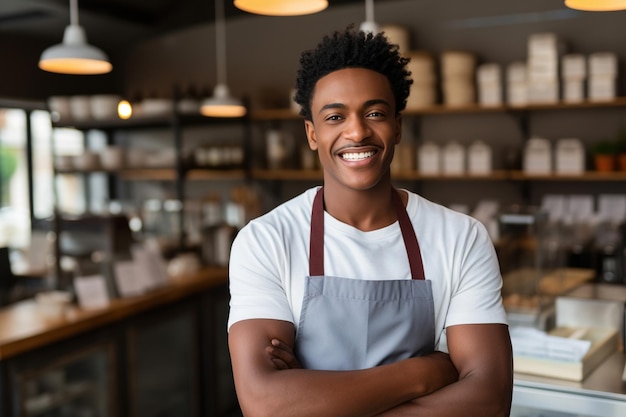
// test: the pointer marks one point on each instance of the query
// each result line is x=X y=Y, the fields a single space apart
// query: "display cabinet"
x=163 y=353
x=601 y=394
x=73 y=380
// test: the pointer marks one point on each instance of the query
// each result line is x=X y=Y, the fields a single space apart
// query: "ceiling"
x=109 y=24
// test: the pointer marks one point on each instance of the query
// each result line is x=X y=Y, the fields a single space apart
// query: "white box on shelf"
x=453 y=159
x=543 y=92
x=602 y=88
x=517 y=93
x=574 y=67
x=570 y=157
x=573 y=91
x=516 y=72
x=479 y=158
x=490 y=94
x=429 y=159
x=603 y=63
x=537 y=158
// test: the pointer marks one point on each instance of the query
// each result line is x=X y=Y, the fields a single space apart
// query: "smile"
x=357 y=156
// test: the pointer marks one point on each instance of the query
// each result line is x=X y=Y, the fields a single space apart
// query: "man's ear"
x=309 y=128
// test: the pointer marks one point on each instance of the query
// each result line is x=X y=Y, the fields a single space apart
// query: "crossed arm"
x=475 y=379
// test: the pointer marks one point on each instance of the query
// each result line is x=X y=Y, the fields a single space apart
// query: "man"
x=344 y=298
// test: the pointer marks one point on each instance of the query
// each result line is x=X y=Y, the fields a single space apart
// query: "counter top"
x=23 y=327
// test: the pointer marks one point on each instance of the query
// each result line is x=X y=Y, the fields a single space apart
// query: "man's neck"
x=365 y=210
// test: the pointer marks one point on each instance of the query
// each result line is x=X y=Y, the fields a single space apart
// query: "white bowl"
x=104 y=106
x=80 y=107
x=59 y=107
x=112 y=158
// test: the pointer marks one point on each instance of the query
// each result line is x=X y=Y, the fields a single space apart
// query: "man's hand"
x=281 y=355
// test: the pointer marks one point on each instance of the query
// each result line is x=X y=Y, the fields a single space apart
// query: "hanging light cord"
x=369 y=10
x=74 y=12
x=220 y=41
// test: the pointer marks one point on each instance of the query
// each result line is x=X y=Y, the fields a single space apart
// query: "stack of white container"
x=424 y=87
x=489 y=80
x=457 y=70
x=543 y=68
x=602 y=76
x=516 y=84
x=573 y=73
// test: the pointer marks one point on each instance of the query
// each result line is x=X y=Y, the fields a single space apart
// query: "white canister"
x=278 y=148
x=537 y=156
x=453 y=159
x=479 y=158
x=112 y=158
x=398 y=35
x=570 y=156
x=60 y=108
x=80 y=107
x=429 y=159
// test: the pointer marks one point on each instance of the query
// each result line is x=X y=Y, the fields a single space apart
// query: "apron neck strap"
x=316 y=239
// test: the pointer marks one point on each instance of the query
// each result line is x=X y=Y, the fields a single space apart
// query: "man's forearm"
x=345 y=393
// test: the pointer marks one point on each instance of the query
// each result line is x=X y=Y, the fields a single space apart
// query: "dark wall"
x=263 y=51
x=20 y=77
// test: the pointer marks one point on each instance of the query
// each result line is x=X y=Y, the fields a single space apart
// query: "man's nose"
x=356 y=129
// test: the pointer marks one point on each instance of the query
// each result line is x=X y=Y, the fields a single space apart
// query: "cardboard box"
x=604 y=341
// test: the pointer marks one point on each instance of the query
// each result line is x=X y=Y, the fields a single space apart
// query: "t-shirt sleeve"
x=477 y=296
x=256 y=289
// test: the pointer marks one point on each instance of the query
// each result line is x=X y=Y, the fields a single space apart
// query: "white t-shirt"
x=270 y=259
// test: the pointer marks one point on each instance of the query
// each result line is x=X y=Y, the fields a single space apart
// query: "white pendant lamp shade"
x=281 y=7
x=596 y=5
x=222 y=104
x=74 y=55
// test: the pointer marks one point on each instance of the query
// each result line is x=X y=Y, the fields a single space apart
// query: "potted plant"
x=604 y=155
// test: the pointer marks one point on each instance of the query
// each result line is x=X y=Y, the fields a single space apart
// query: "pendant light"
x=221 y=103
x=596 y=5
x=369 y=25
x=74 y=55
x=281 y=7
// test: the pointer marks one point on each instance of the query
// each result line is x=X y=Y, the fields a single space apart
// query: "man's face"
x=354 y=127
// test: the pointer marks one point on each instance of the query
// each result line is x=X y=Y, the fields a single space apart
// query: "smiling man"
x=356 y=298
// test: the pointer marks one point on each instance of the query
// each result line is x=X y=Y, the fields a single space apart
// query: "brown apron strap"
x=316 y=239
x=408 y=234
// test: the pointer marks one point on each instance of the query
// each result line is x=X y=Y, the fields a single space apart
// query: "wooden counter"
x=23 y=327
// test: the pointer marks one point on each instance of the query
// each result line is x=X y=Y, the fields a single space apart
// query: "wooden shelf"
x=148 y=174
x=287 y=174
x=199 y=174
x=587 y=176
x=288 y=114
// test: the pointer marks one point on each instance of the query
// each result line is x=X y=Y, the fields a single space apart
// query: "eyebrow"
x=368 y=103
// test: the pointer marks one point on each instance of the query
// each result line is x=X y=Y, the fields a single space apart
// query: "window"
x=22 y=181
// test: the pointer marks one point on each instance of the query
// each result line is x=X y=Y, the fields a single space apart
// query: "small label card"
x=152 y=267
x=128 y=279
x=91 y=291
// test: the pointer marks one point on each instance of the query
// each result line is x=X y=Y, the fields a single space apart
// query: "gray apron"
x=349 y=324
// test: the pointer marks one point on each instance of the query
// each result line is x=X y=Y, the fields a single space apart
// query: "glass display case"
x=76 y=384
x=601 y=394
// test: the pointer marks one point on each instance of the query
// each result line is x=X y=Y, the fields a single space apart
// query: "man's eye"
x=333 y=117
x=375 y=114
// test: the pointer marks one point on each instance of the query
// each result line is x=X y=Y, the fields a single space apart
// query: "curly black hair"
x=352 y=49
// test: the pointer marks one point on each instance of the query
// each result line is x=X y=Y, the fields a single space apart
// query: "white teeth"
x=355 y=156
